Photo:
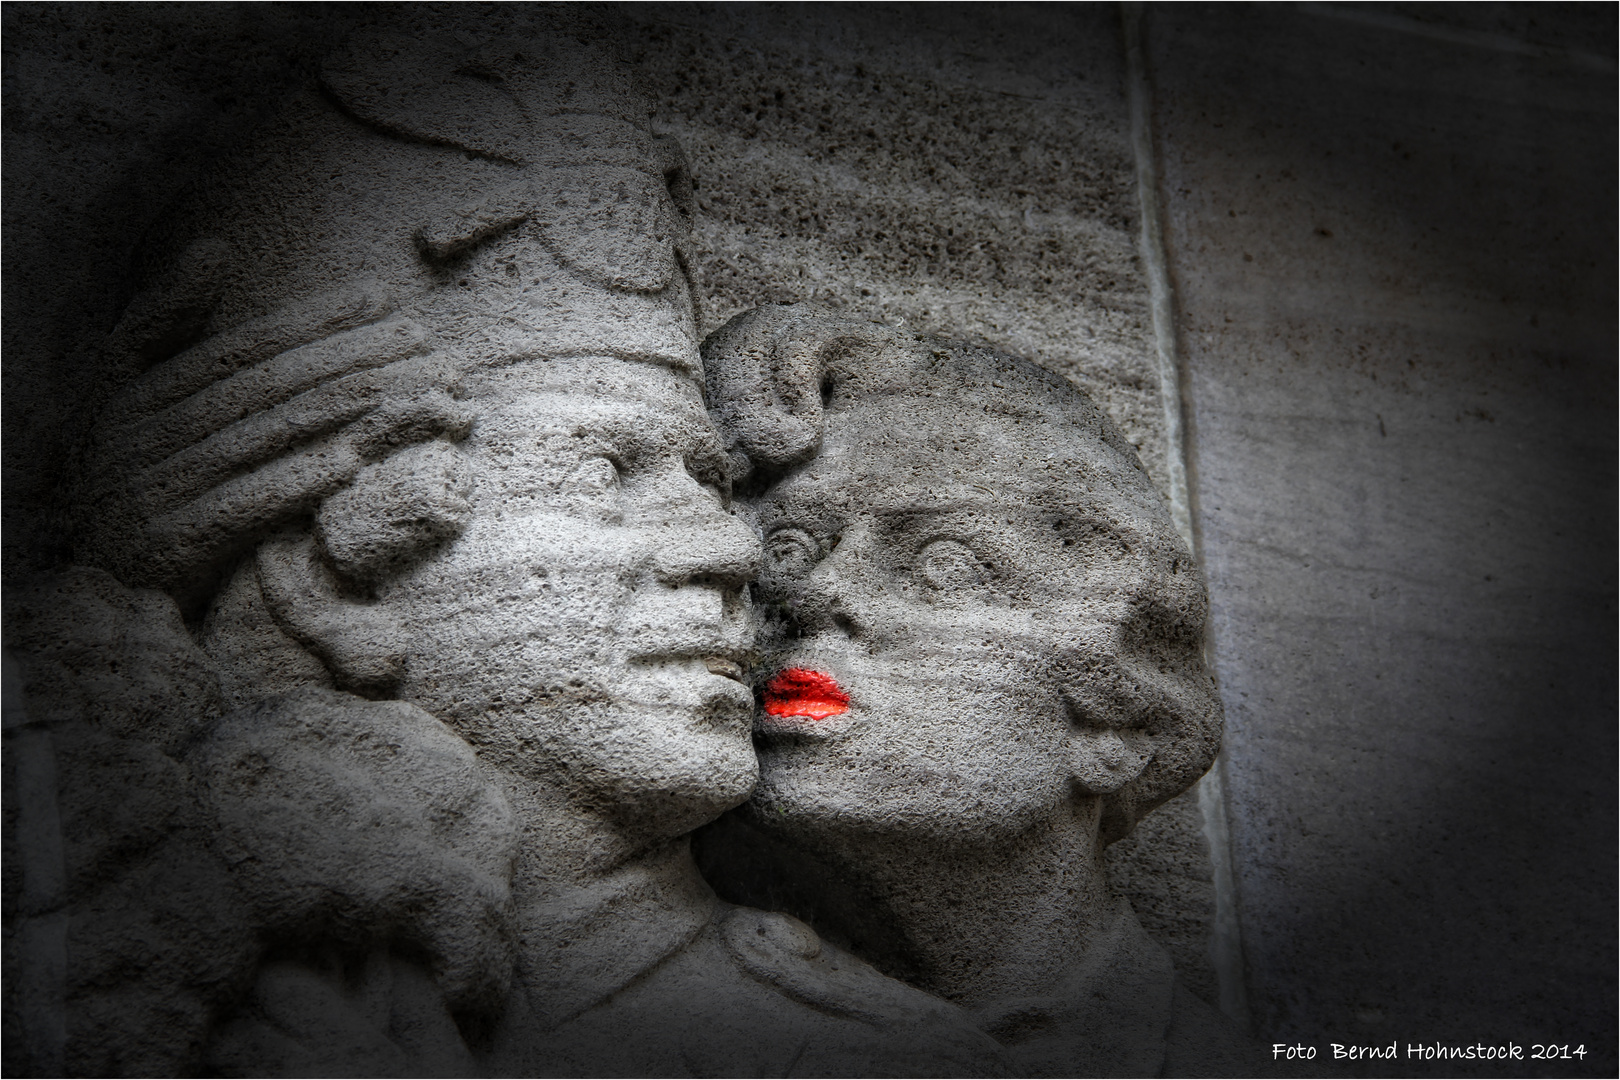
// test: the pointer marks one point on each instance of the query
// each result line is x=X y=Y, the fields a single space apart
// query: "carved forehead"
x=628 y=407
x=928 y=451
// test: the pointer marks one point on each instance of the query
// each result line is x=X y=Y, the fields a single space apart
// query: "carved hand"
x=212 y=447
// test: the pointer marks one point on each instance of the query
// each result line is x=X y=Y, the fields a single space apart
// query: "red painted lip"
x=798 y=692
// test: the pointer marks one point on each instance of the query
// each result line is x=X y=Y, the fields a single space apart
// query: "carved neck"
x=596 y=906
x=1006 y=919
x=566 y=848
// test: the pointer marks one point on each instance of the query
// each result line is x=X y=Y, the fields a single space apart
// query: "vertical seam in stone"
x=1226 y=943
x=1452 y=35
x=42 y=928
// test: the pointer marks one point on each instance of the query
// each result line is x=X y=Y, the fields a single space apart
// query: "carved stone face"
x=998 y=599
x=452 y=322
x=570 y=630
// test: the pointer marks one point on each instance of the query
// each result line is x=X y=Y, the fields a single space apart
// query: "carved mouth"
x=719 y=665
x=799 y=692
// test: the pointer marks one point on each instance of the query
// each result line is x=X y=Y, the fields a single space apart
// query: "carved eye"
x=791 y=551
x=948 y=565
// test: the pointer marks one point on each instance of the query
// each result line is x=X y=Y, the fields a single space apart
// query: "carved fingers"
x=234 y=437
x=330 y=370
x=230 y=351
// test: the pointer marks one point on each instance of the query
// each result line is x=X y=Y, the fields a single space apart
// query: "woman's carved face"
x=996 y=600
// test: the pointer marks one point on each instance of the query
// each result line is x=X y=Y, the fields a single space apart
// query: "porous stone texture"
x=889 y=139
x=368 y=816
x=125 y=934
x=961 y=171
x=1393 y=231
x=400 y=447
x=990 y=640
x=110 y=115
x=859 y=159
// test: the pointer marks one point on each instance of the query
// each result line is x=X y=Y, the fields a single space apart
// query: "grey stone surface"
x=1393 y=231
x=886 y=125
x=407 y=405
x=960 y=171
x=126 y=936
x=983 y=193
x=1402 y=448
x=110 y=115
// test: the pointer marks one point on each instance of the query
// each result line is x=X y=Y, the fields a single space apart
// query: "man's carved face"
x=453 y=319
x=997 y=600
x=575 y=630
x=588 y=626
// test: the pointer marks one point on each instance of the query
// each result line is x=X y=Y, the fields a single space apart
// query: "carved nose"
x=831 y=598
x=829 y=610
x=713 y=549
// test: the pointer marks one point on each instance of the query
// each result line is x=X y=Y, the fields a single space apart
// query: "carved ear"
x=395 y=512
x=357 y=642
x=1140 y=735
x=1102 y=760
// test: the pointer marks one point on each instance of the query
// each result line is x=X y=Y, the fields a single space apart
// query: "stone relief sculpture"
x=406 y=642
x=981 y=663
x=409 y=626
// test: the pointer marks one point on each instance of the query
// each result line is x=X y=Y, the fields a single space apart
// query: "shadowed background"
x=1393 y=235
x=1391 y=232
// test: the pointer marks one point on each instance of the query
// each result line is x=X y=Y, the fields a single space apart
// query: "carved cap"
x=309 y=313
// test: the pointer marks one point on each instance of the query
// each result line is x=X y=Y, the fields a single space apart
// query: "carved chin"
x=672 y=767
x=674 y=788
x=893 y=798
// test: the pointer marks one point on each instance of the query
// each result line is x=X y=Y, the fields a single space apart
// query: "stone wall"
x=1393 y=234
x=865 y=160
x=963 y=172
x=1391 y=237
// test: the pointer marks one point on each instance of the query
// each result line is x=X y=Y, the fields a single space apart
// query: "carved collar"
x=1110 y=1017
